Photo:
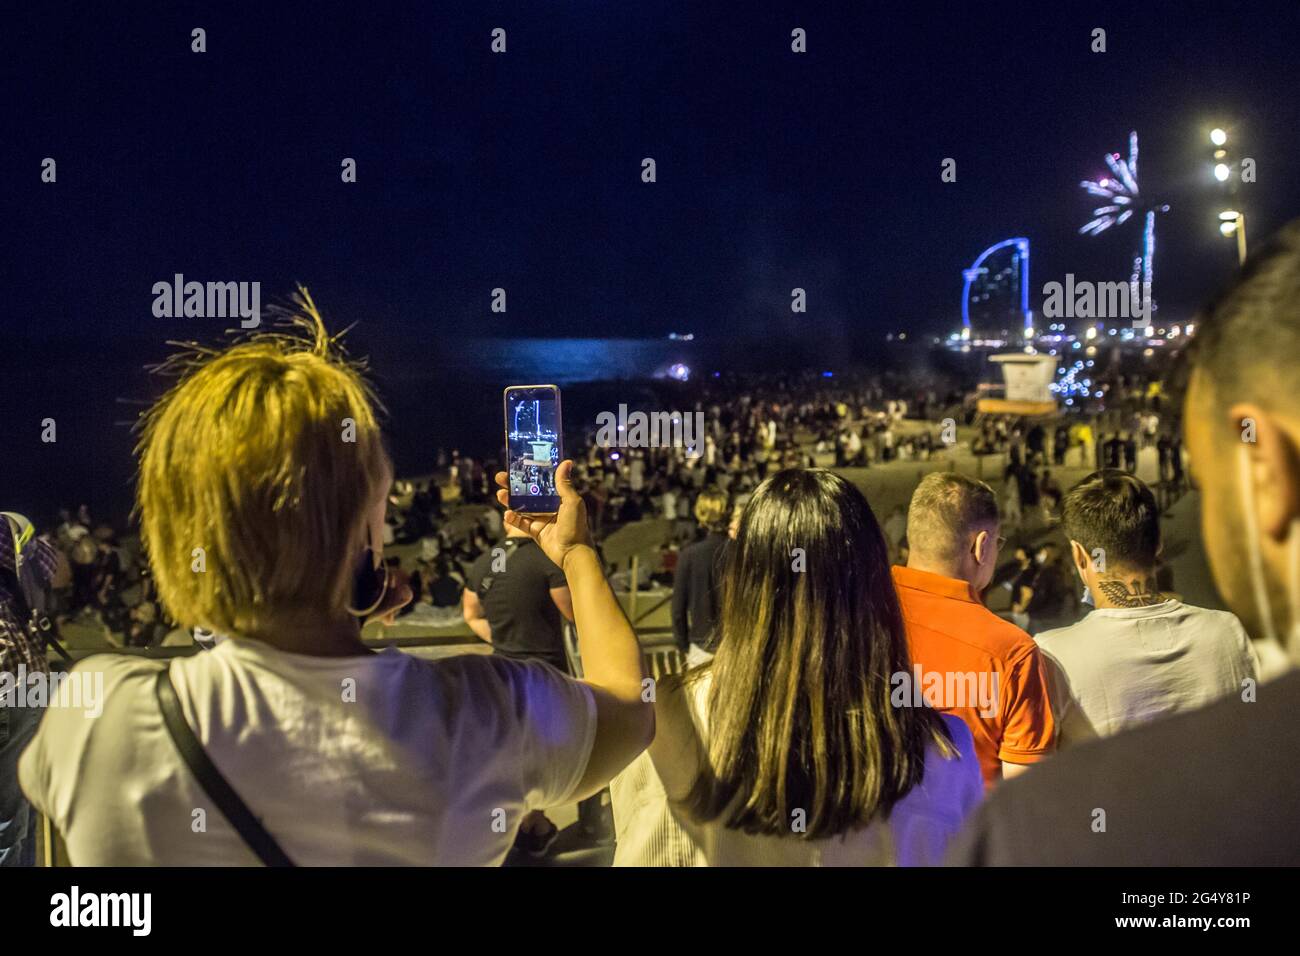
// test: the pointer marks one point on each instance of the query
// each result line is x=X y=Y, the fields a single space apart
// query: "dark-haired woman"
x=788 y=748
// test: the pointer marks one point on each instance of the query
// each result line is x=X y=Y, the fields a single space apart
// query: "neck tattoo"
x=1137 y=592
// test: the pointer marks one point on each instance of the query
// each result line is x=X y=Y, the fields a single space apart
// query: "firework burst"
x=1121 y=200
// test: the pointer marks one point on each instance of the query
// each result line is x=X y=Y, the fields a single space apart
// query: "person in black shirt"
x=1027 y=483
x=515 y=598
x=1176 y=461
x=1114 y=450
x=1050 y=604
x=1036 y=440
x=443 y=586
x=1021 y=585
x=695 y=587
x=1218 y=786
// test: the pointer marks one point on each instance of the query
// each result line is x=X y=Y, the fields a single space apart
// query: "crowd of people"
x=847 y=702
x=748 y=434
x=110 y=587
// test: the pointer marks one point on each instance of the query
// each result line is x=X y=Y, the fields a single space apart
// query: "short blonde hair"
x=266 y=455
x=945 y=508
x=711 y=509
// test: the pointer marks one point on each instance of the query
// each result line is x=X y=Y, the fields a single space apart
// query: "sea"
x=440 y=393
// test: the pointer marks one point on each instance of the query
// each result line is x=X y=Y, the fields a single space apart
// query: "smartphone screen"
x=533 y=447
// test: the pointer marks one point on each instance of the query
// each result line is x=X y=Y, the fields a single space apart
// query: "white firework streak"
x=1122 y=200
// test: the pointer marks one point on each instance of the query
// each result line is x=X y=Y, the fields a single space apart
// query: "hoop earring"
x=369 y=585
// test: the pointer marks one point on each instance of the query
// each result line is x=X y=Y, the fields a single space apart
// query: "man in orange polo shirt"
x=966 y=660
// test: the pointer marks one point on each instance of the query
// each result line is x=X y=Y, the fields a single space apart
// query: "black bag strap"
x=210 y=778
x=36 y=623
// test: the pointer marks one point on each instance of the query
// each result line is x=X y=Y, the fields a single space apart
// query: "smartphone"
x=534 y=447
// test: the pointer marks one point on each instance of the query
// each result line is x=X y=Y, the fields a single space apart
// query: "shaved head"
x=1241 y=418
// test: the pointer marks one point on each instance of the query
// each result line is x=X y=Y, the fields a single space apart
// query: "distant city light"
x=680 y=372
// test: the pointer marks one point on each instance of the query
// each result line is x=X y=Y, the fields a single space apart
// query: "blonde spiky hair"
x=266 y=455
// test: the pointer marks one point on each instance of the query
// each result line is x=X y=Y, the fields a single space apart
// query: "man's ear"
x=1081 y=558
x=1274 y=467
x=979 y=547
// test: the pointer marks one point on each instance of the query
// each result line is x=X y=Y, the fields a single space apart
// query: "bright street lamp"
x=1231 y=221
x=1218 y=137
x=1222 y=172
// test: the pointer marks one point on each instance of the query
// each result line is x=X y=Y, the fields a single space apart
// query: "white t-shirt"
x=1124 y=666
x=651 y=831
x=375 y=760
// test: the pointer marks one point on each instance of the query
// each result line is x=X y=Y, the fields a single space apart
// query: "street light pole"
x=1230 y=220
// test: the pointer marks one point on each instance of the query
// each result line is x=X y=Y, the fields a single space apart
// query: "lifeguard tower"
x=541 y=454
x=1027 y=390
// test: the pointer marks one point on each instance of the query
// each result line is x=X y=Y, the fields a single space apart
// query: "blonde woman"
x=261 y=496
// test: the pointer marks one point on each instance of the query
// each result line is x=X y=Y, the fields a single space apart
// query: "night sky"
x=522 y=170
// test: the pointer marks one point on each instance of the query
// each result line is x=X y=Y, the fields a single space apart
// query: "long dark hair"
x=799 y=710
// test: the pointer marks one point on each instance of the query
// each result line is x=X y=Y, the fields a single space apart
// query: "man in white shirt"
x=1140 y=654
